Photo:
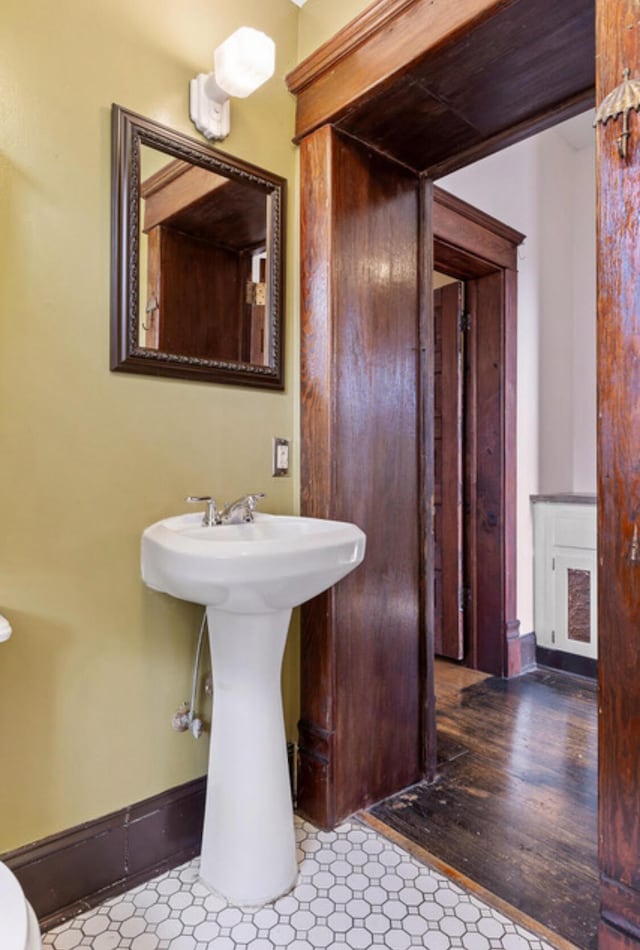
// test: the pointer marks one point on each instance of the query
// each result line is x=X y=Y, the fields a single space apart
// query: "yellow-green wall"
x=97 y=663
x=321 y=19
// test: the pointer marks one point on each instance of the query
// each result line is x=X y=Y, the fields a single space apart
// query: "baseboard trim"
x=567 y=662
x=513 y=654
x=79 y=868
x=528 y=652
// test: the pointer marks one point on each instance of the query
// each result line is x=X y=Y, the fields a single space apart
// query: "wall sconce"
x=242 y=63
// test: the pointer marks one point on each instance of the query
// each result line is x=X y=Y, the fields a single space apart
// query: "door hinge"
x=256 y=294
x=464 y=598
x=553 y=636
x=465 y=321
x=553 y=564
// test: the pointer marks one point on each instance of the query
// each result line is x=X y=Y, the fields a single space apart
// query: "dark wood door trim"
x=317 y=726
x=471 y=245
x=618 y=427
x=355 y=360
x=487 y=243
x=427 y=725
x=397 y=50
x=361 y=646
x=385 y=38
x=448 y=591
x=618 y=250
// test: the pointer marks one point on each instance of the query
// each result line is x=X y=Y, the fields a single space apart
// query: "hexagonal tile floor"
x=356 y=890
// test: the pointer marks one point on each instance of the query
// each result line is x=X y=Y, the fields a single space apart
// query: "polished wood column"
x=360 y=689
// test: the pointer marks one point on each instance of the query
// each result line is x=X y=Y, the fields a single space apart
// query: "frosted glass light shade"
x=244 y=62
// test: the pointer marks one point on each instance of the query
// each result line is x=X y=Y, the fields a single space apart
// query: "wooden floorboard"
x=514 y=807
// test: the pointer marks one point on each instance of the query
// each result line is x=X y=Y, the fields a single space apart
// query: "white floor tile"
x=356 y=891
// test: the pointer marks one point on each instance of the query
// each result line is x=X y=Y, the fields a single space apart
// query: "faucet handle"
x=253 y=499
x=241 y=509
x=211 y=514
x=249 y=503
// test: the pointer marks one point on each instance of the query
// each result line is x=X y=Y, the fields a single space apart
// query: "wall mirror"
x=197 y=259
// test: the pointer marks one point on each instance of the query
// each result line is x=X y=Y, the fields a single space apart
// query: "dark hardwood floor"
x=514 y=807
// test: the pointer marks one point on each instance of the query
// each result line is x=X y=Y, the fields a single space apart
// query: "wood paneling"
x=514 y=808
x=618 y=489
x=429 y=81
x=361 y=645
x=196 y=279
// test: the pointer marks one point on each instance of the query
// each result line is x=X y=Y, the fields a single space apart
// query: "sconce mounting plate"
x=211 y=117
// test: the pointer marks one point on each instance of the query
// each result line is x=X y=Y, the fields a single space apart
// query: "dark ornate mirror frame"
x=129 y=133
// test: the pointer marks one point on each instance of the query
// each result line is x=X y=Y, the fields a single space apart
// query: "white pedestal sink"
x=249 y=576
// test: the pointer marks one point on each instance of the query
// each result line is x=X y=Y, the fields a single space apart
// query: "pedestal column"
x=248 y=844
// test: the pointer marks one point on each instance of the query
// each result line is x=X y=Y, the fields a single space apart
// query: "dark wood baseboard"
x=567 y=662
x=293 y=773
x=79 y=868
x=528 y=652
x=514 y=656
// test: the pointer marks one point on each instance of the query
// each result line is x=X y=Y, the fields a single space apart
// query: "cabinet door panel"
x=575 y=602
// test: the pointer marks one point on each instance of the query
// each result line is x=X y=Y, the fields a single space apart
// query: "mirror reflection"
x=197 y=268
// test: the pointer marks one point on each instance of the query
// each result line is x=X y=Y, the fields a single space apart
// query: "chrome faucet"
x=211 y=515
x=236 y=512
x=241 y=509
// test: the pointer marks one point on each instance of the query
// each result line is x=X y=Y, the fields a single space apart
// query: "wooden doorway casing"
x=361 y=645
x=367 y=456
x=488 y=73
x=449 y=521
x=474 y=247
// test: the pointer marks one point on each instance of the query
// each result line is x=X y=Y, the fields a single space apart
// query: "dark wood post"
x=360 y=668
x=617 y=40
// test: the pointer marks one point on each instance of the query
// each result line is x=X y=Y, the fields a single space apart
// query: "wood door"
x=448 y=596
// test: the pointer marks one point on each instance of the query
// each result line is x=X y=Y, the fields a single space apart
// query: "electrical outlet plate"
x=280 y=458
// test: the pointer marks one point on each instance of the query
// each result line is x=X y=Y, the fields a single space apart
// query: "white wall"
x=568 y=325
x=584 y=320
x=544 y=187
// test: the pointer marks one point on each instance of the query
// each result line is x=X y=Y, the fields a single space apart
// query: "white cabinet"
x=565 y=566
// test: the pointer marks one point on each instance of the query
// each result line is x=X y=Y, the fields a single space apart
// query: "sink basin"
x=249 y=576
x=273 y=563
